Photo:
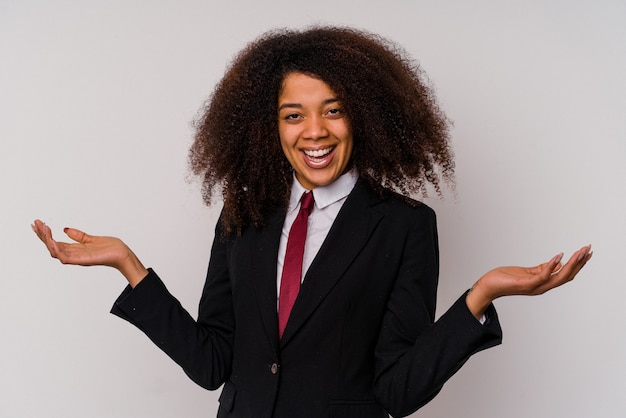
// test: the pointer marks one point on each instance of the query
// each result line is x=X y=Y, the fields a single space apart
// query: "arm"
x=202 y=348
x=414 y=356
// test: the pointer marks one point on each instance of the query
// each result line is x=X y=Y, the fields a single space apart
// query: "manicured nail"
x=583 y=252
x=558 y=257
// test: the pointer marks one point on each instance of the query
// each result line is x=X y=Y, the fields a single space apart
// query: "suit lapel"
x=264 y=255
x=350 y=232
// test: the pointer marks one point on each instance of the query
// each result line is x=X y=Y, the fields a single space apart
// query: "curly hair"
x=401 y=137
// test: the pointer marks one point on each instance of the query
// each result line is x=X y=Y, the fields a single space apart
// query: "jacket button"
x=274 y=368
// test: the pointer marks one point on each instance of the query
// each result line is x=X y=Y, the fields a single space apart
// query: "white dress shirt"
x=328 y=201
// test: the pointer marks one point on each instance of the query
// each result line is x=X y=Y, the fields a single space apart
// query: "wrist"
x=477 y=300
x=132 y=269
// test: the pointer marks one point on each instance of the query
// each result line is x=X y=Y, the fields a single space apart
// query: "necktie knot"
x=307 y=202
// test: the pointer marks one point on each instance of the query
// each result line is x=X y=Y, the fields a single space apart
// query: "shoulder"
x=393 y=203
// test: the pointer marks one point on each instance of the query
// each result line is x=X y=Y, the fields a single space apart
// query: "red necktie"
x=292 y=266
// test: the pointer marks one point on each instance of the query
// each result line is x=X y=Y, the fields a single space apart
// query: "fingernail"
x=558 y=257
x=582 y=254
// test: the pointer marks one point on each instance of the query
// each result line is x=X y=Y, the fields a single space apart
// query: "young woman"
x=321 y=288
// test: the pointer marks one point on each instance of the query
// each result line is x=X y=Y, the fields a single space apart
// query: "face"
x=314 y=130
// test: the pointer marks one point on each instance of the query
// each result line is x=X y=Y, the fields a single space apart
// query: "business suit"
x=360 y=339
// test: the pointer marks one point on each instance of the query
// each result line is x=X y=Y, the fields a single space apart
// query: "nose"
x=315 y=128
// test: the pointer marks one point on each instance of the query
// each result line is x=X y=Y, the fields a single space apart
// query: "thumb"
x=550 y=267
x=77 y=235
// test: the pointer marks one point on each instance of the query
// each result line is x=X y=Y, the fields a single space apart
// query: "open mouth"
x=318 y=155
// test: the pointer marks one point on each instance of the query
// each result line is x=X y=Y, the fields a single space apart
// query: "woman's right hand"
x=89 y=250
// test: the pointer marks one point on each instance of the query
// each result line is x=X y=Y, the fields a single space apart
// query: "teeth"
x=318 y=153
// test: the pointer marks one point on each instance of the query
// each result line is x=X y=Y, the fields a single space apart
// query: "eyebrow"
x=299 y=106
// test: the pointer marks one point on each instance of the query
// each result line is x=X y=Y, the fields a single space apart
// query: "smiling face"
x=314 y=130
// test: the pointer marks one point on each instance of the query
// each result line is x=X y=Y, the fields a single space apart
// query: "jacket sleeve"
x=203 y=348
x=414 y=356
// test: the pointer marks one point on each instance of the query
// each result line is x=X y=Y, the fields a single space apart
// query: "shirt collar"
x=324 y=195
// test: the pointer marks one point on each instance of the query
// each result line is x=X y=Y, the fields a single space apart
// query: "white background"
x=96 y=101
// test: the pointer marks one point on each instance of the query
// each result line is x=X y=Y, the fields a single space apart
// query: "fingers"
x=552 y=266
x=45 y=235
x=56 y=249
x=578 y=261
x=39 y=227
x=87 y=250
x=566 y=272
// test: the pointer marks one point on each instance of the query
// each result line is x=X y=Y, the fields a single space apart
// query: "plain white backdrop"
x=96 y=104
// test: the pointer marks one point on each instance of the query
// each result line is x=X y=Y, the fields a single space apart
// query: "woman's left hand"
x=507 y=281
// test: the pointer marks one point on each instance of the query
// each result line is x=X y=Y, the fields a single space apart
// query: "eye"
x=291 y=117
x=335 y=113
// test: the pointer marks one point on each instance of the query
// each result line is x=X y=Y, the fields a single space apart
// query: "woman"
x=321 y=288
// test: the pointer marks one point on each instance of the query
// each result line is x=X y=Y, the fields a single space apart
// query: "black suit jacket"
x=360 y=341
